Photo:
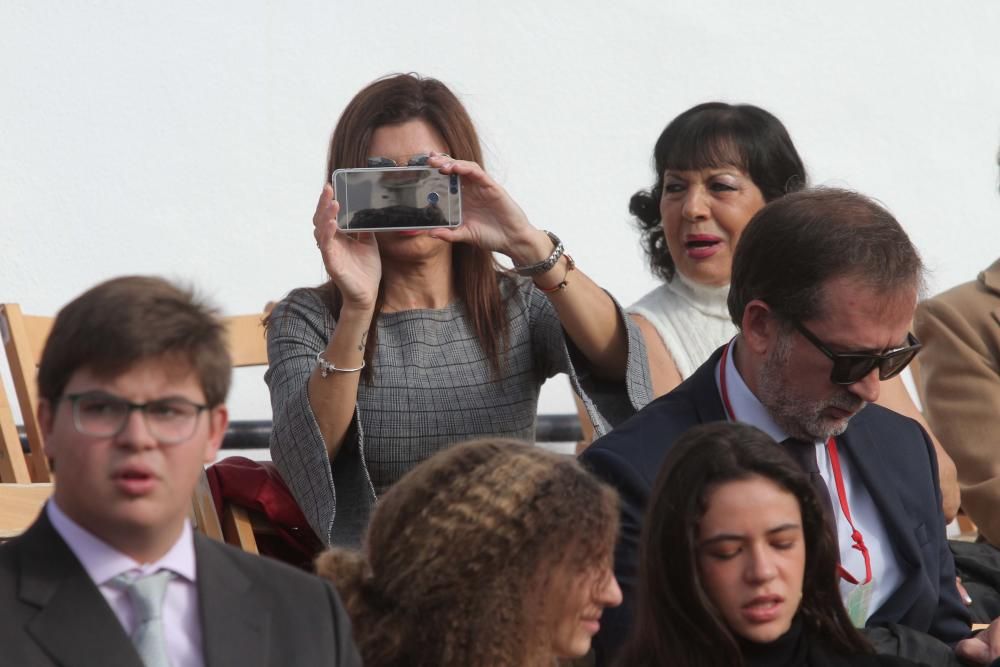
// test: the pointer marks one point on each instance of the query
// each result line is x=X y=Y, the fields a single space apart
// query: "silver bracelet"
x=541 y=267
x=325 y=367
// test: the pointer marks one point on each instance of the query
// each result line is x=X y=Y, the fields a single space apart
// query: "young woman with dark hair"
x=491 y=554
x=420 y=340
x=737 y=564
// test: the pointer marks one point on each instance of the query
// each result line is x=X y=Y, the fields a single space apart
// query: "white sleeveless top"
x=692 y=320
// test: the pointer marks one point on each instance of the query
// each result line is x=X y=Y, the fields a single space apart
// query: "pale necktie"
x=146 y=594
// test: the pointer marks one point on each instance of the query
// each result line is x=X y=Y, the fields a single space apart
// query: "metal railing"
x=255 y=434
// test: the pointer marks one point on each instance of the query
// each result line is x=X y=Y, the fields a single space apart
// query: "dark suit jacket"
x=892 y=454
x=254 y=611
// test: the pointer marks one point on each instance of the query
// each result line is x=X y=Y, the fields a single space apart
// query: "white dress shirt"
x=886 y=574
x=181 y=621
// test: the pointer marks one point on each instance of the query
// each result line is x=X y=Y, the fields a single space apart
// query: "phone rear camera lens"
x=454 y=184
x=433 y=198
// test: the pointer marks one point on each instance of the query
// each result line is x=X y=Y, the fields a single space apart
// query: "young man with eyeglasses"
x=824 y=287
x=132 y=385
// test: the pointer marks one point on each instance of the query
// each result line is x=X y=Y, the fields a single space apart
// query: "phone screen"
x=395 y=198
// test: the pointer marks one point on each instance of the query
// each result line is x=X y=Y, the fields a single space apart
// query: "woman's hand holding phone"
x=491 y=219
x=351 y=260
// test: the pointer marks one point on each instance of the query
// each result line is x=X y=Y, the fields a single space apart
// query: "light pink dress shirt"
x=181 y=619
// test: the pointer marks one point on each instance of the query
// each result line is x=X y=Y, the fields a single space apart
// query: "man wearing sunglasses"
x=132 y=385
x=824 y=286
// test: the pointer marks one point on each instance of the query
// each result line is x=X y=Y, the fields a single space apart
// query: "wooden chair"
x=19 y=507
x=235 y=526
x=24 y=339
x=247 y=347
x=13 y=467
x=20 y=500
x=203 y=514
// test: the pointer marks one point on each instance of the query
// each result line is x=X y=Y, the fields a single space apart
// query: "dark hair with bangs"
x=716 y=134
x=399 y=98
x=111 y=327
x=676 y=622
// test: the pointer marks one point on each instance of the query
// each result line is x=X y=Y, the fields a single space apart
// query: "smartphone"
x=397 y=198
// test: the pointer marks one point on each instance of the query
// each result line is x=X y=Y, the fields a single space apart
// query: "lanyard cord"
x=859 y=540
x=831 y=449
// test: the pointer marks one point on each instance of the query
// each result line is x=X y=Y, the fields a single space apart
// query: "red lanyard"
x=831 y=450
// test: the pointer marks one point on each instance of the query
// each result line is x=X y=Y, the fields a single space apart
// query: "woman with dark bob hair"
x=737 y=565
x=420 y=339
x=716 y=165
x=490 y=554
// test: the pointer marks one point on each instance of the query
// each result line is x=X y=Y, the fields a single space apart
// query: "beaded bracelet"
x=570 y=265
x=325 y=367
x=541 y=267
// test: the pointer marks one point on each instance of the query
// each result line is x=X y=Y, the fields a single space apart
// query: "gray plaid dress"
x=433 y=387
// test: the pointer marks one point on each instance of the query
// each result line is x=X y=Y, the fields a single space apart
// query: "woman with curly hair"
x=492 y=553
x=737 y=565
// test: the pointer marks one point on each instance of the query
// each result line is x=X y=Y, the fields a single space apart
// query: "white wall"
x=188 y=138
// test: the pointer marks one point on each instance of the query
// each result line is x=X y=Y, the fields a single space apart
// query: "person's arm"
x=662 y=368
x=893 y=395
x=961 y=384
x=492 y=220
x=333 y=398
x=353 y=263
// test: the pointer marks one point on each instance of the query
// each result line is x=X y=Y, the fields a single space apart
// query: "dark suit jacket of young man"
x=254 y=611
x=895 y=460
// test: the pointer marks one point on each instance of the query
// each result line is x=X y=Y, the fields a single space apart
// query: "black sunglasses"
x=379 y=162
x=849 y=367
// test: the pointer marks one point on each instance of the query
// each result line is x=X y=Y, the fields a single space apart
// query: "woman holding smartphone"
x=737 y=565
x=420 y=339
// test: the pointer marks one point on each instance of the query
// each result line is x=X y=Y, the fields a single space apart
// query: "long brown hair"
x=396 y=99
x=676 y=622
x=460 y=553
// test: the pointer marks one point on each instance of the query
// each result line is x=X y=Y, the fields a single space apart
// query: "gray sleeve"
x=608 y=403
x=297 y=331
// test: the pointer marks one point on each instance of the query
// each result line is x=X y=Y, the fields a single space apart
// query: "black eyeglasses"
x=849 y=367
x=102 y=415
x=419 y=160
